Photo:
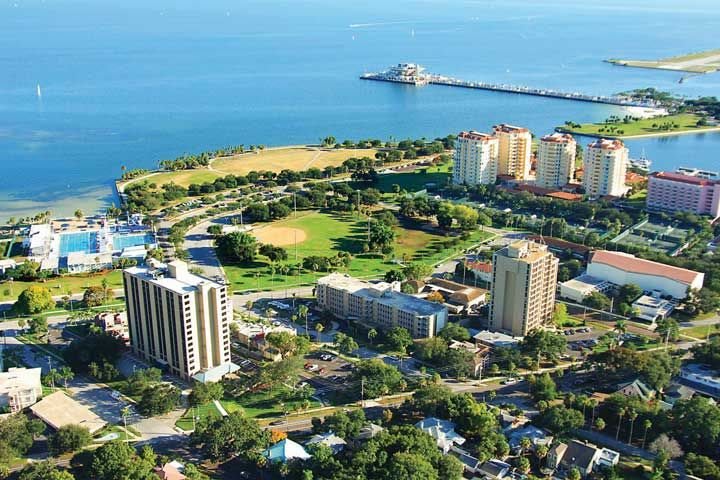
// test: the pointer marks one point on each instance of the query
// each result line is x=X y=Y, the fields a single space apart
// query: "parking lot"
x=326 y=373
x=581 y=338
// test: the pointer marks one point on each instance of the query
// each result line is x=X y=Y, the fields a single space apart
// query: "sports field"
x=326 y=235
x=184 y=177
x=293 y=158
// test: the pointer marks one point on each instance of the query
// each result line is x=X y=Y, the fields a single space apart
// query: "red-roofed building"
x=632 y=178
x=685 y=193
x=623 y=268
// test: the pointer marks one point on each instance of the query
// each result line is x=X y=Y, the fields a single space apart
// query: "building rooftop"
x=524 y=250
x=505 y=128
x=286 y=450
x=586 y=282
x=631 y=263
x=477 y=136
x=558 y=138
x=607 y=144
x=383 y=293
x=496 y=339
x=59 y=410
x=173 y=276
x=683 y=178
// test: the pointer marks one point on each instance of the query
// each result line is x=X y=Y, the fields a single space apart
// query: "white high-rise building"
x=180 y=320
x=523 y=287
x=476 y=156
x=604 y=168
x=514 y=151
x=555 y=160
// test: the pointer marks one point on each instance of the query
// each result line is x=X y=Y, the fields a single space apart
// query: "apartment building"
x=379 y=304
x=679 y=192
x=20 y=388
x=514 y=151
x=179 y=320
x=555 y=160
x=476 y=159
x=604 y=168
x=523 y=288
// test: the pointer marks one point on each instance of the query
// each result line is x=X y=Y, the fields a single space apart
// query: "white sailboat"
x=39 y=92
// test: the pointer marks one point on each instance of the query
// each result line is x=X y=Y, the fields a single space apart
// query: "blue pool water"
x=78 y=242
x=123 y=241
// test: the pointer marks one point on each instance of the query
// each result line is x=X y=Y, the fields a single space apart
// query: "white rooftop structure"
x=39 y=239
x=443 y=431
x=20 y=388
x=6 y=264
x=329 y=439
x=174 y=276
x=80 y=262
x=702 y=379
x=496 y=339
x=576 y=289
x=652 y=308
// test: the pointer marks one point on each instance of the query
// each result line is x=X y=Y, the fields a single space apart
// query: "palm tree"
x=66 y=374
x=647 y=425
x=541 y=452
x=125 y=413
x=600 y=424
x=372 y=333
x=303 y=314
x=633 y=416
x=525 y=445
x=621 y=326
x=592 y=403
x=319 y=327
x=79 y=214
x=621 y=414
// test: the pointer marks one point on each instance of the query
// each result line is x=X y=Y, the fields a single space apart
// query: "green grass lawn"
x=415 y=180
x=684 y=122
x=204 y=411
x=701 y=332
x=61 y=285
x=327 y=234
x=40 y=344
x=264 y=404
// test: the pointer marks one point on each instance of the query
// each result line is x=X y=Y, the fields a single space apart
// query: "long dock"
x=505 y=88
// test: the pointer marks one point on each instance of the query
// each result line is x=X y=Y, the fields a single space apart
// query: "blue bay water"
x=133 y=82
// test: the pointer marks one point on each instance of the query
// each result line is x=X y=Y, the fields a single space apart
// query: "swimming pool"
x=78 y=242
x=121 y=241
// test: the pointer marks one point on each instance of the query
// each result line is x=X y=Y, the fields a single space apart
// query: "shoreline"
x=642 y=135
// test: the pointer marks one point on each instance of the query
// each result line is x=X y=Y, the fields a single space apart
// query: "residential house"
x=443 y=431
x=457 y=297
x=493 y=469
x=251 y=340
x=537 y=436
x=284 y=451
x=581 y=455
x=114 y=324
x=335 y=443
x=367 y=432
x=636 y=388
x=170 y=471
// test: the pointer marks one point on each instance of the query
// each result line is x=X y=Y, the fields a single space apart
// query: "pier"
x=418 y=79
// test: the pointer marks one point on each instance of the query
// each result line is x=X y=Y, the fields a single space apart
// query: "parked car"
x=510 y=381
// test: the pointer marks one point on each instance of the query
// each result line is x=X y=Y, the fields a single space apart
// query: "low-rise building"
x=458 y=297
x=170 y=471
x=114 y=323
x=581 y=455
x=480 y=355
x=58 y=410
x=252 y=340
x=82 y=262
x=702 y=379
x=39 y=240
x=638 y=389
x=7 y=264
x=481 y=270
x=285 y=451
x=379 y=304
x=330 y=440
x=443 y=431
x=623 y=268
x=537 y=436
x=496 y=339
x=652 y=308
x=578 y=288
x=20 y=388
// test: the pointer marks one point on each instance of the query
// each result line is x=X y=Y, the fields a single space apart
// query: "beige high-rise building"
x=514 y=151
x=555 y=160
x=476 y=158
x=179 y=320
x=523 y=287
x=604 y=168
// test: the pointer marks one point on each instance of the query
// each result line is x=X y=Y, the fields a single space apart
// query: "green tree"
x=399 y=339
x=345 y=425
x=234 y=435
x=455 y=331
x=94 y=296
x=702 y=467
x=542 y=387
x=696 y=424
x=38 y=325
x=117 y=460
x=560 y=419
x=34 y=299
x=158 y=400
x=598 y=301
x=203 y=393
x=45 y=470
x=17 y=433
x=215 y=229
x=237 y=246
x=345 y=343
x=574 y=474
x=540 y=343
x=377 y=377
x=69 y=438
x=668 y=328
x=372 y=333
x=283 y=341
x=417 y=271
x=560 y=315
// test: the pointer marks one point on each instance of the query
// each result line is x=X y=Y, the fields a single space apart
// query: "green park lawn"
x=61 y=285
x=327 y=234
x=684 y=122
x=701 y=332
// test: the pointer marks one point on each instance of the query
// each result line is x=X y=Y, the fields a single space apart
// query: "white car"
x=510 y=381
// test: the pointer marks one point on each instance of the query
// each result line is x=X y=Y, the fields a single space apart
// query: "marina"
x=414 y=74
